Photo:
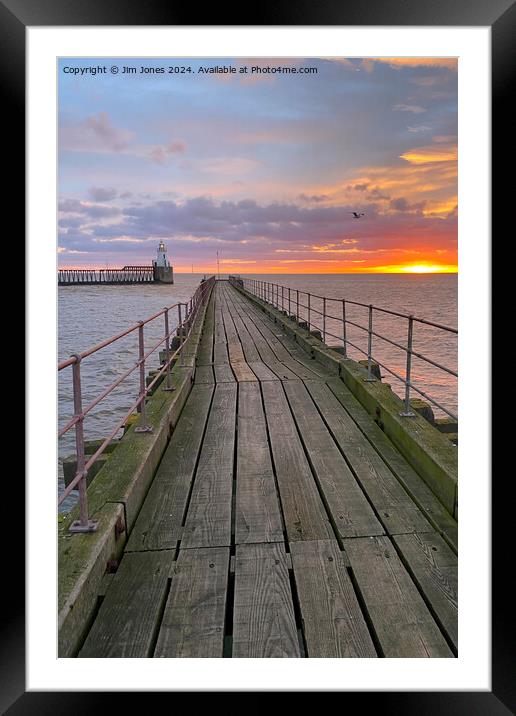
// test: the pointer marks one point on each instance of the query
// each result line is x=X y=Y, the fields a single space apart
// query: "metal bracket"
x=370 y=380
x=143 y=429
x=408 y=415
x=77 y=526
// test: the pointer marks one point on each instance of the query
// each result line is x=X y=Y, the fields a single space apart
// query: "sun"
x=428 y=268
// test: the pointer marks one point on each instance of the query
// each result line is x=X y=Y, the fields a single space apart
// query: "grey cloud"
x=414 y=108
x=99 y=193
x=401 y=204
x=313 y=198
x=94 y=211
x=191 y=225
x=109 y=136
x=160 y=154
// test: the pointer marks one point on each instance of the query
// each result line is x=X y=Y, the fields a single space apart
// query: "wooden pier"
x=281 y=520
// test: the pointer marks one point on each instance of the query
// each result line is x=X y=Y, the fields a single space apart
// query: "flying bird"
x=356 y=214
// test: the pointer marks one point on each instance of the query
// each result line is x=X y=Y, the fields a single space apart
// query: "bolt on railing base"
x=370 y=380
x=77 y=526
x=407 y=414
x=168 y=390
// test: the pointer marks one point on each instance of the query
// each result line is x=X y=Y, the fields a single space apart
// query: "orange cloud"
x=423 y=176
x=442 y=208
x=429 y=154
x=398 y=62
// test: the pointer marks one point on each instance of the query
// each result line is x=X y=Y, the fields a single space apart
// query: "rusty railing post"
x=167 y=387
x=344 y=333
x=370 y=378
x=83 y=524
x=142 y=427
x=180 y=315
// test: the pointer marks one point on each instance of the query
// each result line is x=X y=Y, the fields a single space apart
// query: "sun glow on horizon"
x=416 y=268
x=429 y=268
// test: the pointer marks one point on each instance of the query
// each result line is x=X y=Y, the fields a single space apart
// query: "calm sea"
x=89 y=314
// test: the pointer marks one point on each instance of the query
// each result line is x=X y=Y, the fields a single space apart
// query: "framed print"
x=274 y=481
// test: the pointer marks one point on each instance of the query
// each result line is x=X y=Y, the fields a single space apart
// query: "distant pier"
x=160 y=271
x=110 y=277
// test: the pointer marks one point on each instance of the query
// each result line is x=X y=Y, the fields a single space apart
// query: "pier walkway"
x=281 y=522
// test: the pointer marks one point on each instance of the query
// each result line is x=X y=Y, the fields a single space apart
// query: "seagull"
x=356 y=215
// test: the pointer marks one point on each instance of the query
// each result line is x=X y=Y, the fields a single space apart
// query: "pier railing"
x=93 y=277
x=315 y=312
x=185 y=314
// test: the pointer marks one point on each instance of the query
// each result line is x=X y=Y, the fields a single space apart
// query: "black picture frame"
x=500 y=16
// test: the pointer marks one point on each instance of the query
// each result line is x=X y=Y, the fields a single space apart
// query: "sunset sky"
x=263 y=168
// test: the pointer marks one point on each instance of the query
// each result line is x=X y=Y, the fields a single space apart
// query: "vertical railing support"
x=168 y=386
x=370 y=378
x=83 y=524
x=407 y=412
x=142 y=427
x=289 y=309
x=297 y=306
x=309 y=316
x=344 y=332
x=181 y=329
x=324 y=320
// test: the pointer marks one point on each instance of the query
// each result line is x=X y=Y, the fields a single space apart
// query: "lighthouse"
x=163 y=271
x=162 y=256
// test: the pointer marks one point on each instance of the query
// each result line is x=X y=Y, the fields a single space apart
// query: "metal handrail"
x=281 y=298
x=183 y=329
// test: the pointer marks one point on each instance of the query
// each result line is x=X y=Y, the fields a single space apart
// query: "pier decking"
x=281 y=522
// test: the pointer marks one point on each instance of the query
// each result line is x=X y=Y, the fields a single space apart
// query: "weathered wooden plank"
x=219 y=330
x=208 y=521
x=402 y=622
x=250 y=350
x=303 y=509
x=129 y=616
x=220 y=354
x=258 y=516
x=251 y=353
x=261 y=371
x=352 y=514
x=433 y=566
x=193 y=620
x=395 y=508
x=408 y=477
x=242 y=371
x=265 y=351
x=223 y=373
x=333 y=624
x=263 y=619
x=278 y=342
x=159 y=523
x=267 y=329
x=204 y=375
x=205 y=352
